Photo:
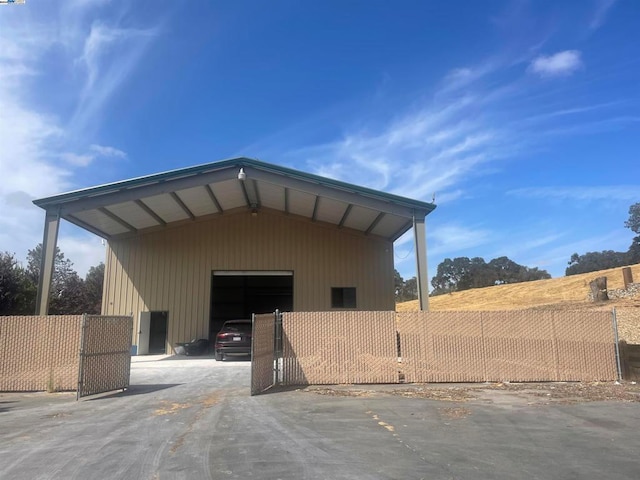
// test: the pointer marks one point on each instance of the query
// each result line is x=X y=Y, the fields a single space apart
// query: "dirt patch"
x=455 y=413
x=568 y=393
x=339 y=391
x=211 y=400
x=504 y=393
x=169 y=408
x=448 y=394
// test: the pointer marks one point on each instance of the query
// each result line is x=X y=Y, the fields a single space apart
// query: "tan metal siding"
x=170 y=269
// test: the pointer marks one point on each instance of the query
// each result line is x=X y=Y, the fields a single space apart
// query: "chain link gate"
x=266 y=345
x=105 y=354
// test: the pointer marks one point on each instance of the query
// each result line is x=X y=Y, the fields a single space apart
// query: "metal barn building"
x=191 y=248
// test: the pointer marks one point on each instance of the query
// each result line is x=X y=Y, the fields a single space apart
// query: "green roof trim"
x=239 y=162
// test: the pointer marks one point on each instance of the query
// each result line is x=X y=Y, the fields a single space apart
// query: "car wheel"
x=219 y=357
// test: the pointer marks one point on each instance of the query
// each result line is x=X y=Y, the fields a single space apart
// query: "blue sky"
x=523 y=117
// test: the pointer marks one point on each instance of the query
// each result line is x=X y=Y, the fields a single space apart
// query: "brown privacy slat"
x=517 y=346
x=339 y=347
x=42 y=352
x=262 y=373
x=39 y=352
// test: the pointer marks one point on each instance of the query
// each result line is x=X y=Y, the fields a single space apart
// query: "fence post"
x=81 y=356
x=615 y=336
x=277 y=345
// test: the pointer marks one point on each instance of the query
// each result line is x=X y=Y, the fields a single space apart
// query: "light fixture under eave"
x=241 y=175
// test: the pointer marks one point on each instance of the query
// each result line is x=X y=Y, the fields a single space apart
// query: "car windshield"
x=237 y=327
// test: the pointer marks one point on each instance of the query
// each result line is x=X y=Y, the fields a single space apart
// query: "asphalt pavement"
x=193 y=418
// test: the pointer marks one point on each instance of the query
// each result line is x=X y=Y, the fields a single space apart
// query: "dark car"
x=233 y=339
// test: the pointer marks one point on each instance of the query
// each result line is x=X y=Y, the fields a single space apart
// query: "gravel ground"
x=529 y=393
x=629 y=324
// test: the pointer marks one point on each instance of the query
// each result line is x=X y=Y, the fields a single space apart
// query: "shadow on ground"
x=136 y=390
x=4 y=407
x=239 y=358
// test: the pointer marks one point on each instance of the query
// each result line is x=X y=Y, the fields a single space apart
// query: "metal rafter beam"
x=82 y=224
x=245 y=193
x=374 y=223
x=256 y=192
x=345 y=216
x=150 y=212
x=118 y=220
x=314 y=216
x=250 y=191
x=182 y=205
x=401 y=231
x=214 y=199
x=286 y=201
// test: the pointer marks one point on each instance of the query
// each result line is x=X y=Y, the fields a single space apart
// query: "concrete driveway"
x=193 y=418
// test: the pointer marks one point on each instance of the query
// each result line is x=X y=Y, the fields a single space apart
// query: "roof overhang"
x=156 y=201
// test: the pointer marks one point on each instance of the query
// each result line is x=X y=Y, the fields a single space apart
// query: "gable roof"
x=131 y=206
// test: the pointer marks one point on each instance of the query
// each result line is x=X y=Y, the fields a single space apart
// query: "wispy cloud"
x=444 y=240
x=451 y=238
x=95 y=151
x=105 y=151
x=537 y=242
x=86 y=249
x=573 y=111
x=109 y=54
x=588 y=127
x=559 y=254
x=586 y=193
x=600 y=14
x=462 y=77
x=416 y=155
x=44 y=150
x=560 y=64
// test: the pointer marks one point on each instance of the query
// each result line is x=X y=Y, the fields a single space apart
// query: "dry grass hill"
x=565 y=293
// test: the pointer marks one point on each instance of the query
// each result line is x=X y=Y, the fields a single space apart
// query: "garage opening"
x=238 y=294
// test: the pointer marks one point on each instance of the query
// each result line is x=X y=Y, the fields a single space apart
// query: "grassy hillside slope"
x=557 y=293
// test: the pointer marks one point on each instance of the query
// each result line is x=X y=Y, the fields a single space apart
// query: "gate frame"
x=82 y=355
x=276 y=339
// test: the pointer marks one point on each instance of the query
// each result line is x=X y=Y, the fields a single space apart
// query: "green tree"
x=67 y=288
x=633 y=223
x=405 y=290
x=450 y=274
x=634 y=218
x=93 y=283
x=410 y=289
x=463 y=273
x=17 y=291
x=594 y=261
